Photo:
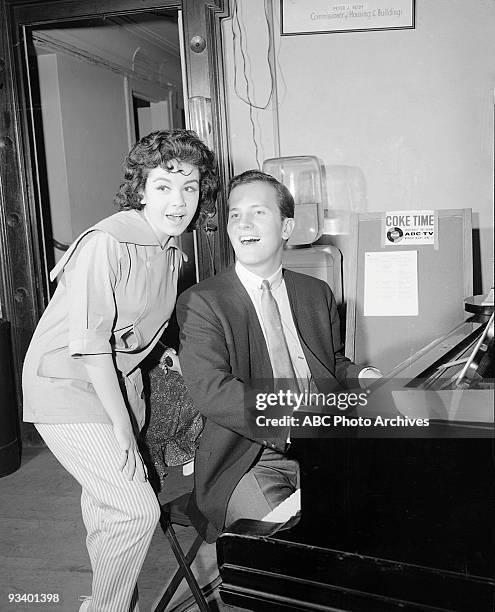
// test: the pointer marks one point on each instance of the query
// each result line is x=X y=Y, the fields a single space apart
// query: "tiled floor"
x=42 y=546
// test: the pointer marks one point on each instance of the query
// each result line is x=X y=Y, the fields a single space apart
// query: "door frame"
x=24 y=283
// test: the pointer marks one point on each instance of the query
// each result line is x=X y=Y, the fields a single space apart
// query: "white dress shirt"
x=252 y=284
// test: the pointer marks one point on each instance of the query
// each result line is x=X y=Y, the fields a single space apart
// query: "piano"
x=386 y=524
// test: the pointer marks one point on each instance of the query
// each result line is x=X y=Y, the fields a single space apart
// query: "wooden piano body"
x=399 y=523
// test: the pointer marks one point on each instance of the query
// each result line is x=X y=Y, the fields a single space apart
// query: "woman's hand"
x=103 y=377
x=131 y=463
x=170 y=361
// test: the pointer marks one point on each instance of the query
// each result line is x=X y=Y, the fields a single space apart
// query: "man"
x=227 y=341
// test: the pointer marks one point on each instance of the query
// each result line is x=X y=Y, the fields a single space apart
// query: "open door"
x=79 y=83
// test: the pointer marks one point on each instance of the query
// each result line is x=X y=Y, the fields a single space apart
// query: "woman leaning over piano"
x=81 y=378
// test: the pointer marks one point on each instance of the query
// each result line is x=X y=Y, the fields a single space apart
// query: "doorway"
x=65 y=135
x=101 y=85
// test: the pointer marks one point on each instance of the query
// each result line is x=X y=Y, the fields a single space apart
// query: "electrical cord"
x=248 y=99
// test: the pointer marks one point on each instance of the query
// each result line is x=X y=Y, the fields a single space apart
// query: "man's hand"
x=131 y=463
x=368 y=376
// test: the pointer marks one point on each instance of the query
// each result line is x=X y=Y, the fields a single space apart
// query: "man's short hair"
x=285 y=199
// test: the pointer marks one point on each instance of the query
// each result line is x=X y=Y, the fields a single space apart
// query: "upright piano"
x=386 y=524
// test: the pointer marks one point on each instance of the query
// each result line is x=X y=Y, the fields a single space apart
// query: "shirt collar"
x=166 y=242
x=131 y=226
x=146 y=229
x=253 y=281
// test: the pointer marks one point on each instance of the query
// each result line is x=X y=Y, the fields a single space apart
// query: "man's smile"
x=249 y=239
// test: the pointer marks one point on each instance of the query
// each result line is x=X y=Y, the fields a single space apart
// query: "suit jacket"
x=222 y=349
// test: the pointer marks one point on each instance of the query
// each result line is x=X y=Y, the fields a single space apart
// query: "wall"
x=58 y=187
x=85 y=133
x=400 y=119
x=87 y=116
x=95 y=135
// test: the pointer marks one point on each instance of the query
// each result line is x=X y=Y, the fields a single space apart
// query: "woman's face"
x=171 y=197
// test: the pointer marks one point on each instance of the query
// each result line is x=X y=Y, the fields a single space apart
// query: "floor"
x=42 y=544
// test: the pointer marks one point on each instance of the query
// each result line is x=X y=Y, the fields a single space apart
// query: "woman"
x=81 y=379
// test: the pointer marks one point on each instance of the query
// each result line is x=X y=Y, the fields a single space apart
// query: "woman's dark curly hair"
x=159 y=149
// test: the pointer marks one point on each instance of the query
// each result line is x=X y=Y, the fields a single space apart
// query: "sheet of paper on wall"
x=391 y=284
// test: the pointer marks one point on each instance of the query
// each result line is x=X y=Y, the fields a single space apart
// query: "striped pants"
x=120 y=515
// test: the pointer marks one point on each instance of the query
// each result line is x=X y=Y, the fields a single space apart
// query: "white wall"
x=400 y=119
x=95 y=133
x=85 y=134
x=58 y=186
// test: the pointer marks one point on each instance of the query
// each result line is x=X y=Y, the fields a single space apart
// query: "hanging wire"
x=249 y=99
x=273 y=62
x=236 y=21
x=280 y=72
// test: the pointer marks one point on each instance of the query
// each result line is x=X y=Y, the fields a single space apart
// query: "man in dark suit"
x=227 y=342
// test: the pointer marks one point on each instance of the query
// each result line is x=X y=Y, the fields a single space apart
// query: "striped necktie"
x=277 y=343
x=283 y=370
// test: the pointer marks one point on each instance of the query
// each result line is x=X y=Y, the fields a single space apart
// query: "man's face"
x=255 y=227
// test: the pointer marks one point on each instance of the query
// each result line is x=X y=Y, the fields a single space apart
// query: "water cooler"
x=302 y=176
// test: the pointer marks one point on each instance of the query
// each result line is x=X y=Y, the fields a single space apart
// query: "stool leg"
x=184 y=570
x=179 y=575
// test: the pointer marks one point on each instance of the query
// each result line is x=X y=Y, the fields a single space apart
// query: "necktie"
x=277 y=344
x=283 y=370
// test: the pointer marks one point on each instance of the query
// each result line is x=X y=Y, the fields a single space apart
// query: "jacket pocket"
x=58 y=364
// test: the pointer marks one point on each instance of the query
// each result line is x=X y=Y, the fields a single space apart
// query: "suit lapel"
x=259 y=356
x=306 y=334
